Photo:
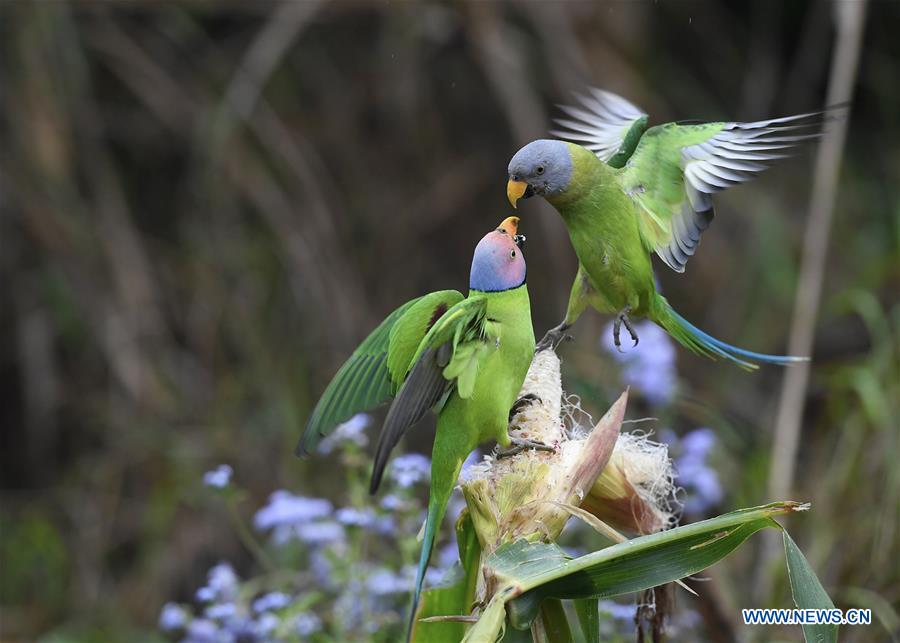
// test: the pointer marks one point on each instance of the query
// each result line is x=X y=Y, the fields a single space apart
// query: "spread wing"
x=606 y=124
x=448 y=358
x=676 y=168
x=373 y=373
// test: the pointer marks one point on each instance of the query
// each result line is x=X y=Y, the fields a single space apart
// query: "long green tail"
x=436 y=509
x=701 y=343
x=445 y=467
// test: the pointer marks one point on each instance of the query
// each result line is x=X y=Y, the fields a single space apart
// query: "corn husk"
x=624 y=480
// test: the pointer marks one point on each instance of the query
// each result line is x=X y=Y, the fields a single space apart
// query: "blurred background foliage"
x=204 y=206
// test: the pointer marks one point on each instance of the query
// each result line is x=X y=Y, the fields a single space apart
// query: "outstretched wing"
x=676 y=168
x=447 y=357
x=375 y=370
x=606 y=124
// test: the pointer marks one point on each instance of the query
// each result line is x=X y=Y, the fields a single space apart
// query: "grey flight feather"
x=424 y=387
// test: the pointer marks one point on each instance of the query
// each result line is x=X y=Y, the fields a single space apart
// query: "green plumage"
x=376 y=369
x=631 y=193
x=465 y=358
x=616 y=218
x=497 y=363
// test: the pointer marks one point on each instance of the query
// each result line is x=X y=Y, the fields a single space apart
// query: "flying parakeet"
x=629 y=193
x=464 y=357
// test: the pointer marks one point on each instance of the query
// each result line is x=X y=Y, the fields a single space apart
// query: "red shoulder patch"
x=436 y=315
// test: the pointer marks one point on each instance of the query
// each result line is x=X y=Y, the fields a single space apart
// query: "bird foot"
x=521 y=444
x=526 y=400
x=622 y=318
x=554 y=337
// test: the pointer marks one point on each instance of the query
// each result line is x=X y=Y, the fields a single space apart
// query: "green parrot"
x=630 y=192
x=464 y=357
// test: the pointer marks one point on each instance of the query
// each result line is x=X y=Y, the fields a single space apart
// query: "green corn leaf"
x=491 y=626
x=453 y=598
x=808 y=592
x=553 y=626
x=533 y=577
x=536 y=571
x=588 y=612
x=447 y=599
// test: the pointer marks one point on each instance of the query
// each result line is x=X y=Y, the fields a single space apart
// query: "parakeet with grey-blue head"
x=626 y=192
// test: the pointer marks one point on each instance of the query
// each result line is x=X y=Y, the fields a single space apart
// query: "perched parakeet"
x=629 y=193
x=466 y=358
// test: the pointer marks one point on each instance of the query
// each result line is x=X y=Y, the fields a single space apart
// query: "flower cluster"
x=698 y=479
x=409 y=469
x=355 y=573
x=225 y=617
x=291 y=517
x=649 y=366
x=352 y=431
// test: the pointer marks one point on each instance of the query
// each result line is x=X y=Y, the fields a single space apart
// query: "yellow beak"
x=510 y=226
x=515 y=190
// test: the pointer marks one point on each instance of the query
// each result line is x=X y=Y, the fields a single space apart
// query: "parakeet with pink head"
x=463 y=357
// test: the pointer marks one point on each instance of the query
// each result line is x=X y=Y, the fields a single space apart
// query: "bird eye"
x=540 y=169
x=512 y=254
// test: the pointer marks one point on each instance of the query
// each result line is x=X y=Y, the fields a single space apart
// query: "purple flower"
x=320 y=533
x=384 y=581
x=202 y=631
x=698 y=443
x=266 y=624
x=205 y=595
x=448 y=555
x=307 y=623
x=617 y=610
x=172 y=617
x=408 y=469
x=240 y=628
x=218 y=477
x=220 y=611
x=434 y=576
x=392 y=502
x=384 y=525
x=321 y=567
x=353 y=517
x=700 y=481
x=350 y=606
x=271 y=601
x=649 y=366
x=703 y=487
x=473 y=458
x=353 y=430
x=223 y=580
x=286 y=509
x=221 y=585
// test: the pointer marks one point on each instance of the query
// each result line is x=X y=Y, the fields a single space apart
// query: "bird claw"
x=622 y=318
x=521 y=444
x=553 y=338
